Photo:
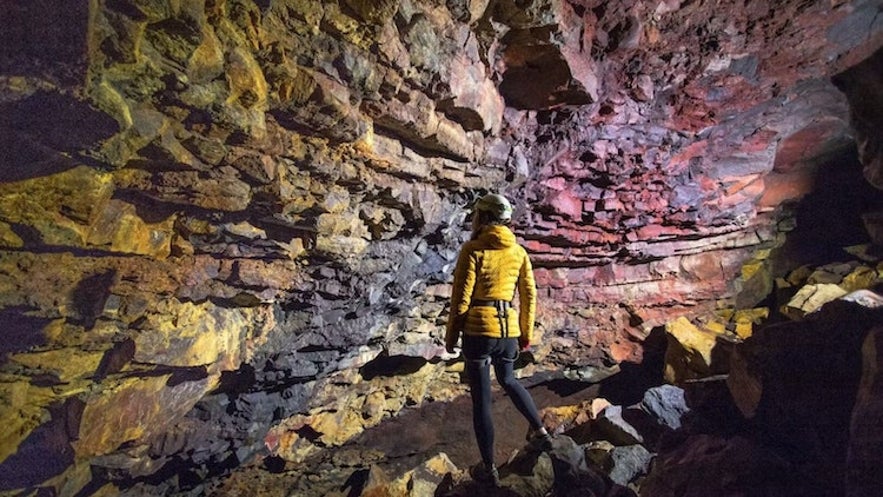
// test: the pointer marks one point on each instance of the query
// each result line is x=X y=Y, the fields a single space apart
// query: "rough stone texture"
x=714 y=465
x=629 y=463
x=695 y=352
x=863 y=88
x=694 y=441
x=666 y=403
x=615 y=426
x=863 y=459
x=423 y=480
x=215 y=214
x=798 y=382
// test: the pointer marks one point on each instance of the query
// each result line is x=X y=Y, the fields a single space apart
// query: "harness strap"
x=505 y=304
x=502 y=307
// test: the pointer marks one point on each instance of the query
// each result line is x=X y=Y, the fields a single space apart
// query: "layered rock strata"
x=211 y=211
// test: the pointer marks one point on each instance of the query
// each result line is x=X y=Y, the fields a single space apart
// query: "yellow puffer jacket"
x=490 y=268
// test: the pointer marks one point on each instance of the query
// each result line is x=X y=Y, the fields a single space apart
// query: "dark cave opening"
x=830 y=217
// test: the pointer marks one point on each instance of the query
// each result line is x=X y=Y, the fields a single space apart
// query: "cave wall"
x=229 y=225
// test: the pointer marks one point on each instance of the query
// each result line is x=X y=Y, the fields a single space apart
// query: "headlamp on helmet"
x=496 y=205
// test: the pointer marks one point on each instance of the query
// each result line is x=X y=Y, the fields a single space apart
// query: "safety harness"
x=502 y=307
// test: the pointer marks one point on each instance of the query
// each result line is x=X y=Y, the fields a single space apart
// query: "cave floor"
x=416 y=435
x=404 y=442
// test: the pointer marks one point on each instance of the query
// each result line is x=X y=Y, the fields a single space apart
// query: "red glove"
x=523 y=342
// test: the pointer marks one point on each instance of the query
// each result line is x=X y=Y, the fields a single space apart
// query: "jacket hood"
x=497 y=236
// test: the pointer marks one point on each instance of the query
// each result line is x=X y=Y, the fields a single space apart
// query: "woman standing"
x=489 y=269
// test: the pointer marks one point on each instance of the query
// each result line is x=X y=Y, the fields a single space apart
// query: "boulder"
x=615 y=428
x=713 y=465
x=629 y=462
x=563 y=470
x=798 y=382
x=425 y=479
x=864 y=457
x=695 y=352
x=667 y=404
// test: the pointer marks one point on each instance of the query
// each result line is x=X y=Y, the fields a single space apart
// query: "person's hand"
x=523 y=343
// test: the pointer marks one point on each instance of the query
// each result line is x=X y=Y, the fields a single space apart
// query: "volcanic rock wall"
x=221 y=216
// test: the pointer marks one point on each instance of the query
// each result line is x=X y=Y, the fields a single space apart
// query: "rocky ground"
x=436 y=431
x=787 y=418
x=787 y=414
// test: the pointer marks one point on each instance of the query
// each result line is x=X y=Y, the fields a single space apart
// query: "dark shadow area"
x=20 y=331
x=274 y=464
x=356 y=482
x=386 y=365
x=720 y=355
x=236 y=382
x=537 y=75
x=41 y=134
x=829 y=218
x=795 y=442
x=805 y=414
x=41 y=36
x=185 y=375
x=30 y=236
x=46 y=452
x=863 y=86
x=628 y=386
x=115 y=359
x=90 y=296
x=310 y=434
x=712 y=409
x=566 y=388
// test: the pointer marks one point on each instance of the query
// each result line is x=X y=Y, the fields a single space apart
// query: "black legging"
x=480 y=352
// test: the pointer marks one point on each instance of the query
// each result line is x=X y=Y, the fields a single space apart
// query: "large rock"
x=629 y=463
x=695 y=352
x=133 y=409
x=560 y=470
x=799 y=381
x=712 y=465
x=614 y=425
x=667 y=404
x=425 y=479
x=865 y=436
x=864 y=95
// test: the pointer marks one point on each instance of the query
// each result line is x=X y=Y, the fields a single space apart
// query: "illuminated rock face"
x=218 y=218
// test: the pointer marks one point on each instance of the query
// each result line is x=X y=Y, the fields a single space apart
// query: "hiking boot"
x=539 y=438
x=486 y=475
